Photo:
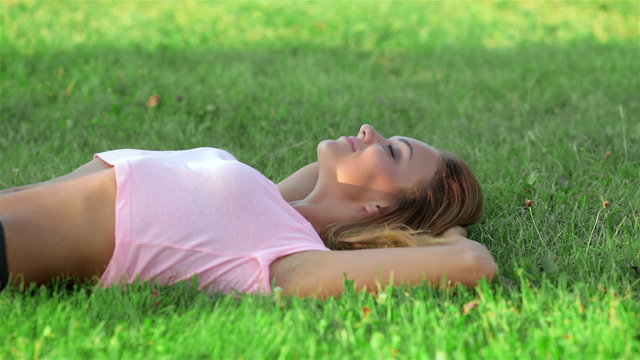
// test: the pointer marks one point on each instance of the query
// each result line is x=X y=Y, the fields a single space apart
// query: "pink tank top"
x=200 y=212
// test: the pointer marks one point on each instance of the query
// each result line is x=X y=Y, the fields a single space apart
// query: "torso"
x=63 y=228
x=69 y=227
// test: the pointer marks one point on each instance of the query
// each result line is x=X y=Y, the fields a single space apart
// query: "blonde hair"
x=417 y=215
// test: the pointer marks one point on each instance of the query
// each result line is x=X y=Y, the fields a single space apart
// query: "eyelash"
x=393 y=154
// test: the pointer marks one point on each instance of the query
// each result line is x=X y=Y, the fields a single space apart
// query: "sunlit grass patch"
x=36 y=26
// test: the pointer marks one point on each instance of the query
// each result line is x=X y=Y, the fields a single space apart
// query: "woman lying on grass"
x=166 y=216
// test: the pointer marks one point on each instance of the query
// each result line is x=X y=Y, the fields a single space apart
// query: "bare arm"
x=86 y=169
x=322 y=273
x=299 y=184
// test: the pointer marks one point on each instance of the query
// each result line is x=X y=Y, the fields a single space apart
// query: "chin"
x=324 y=143
x=328 y=151
x=328 y=147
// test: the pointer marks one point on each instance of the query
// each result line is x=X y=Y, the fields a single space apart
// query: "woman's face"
x=370 y=162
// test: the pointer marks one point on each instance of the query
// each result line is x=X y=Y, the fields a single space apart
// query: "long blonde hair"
x=417 y=215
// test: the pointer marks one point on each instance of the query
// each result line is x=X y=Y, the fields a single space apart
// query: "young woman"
x=166 y=216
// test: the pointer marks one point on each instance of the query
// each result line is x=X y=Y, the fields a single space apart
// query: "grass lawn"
x=542 y=100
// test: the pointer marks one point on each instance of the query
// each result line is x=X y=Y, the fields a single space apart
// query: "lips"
x=351 y=142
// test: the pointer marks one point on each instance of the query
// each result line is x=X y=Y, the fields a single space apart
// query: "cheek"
x=382 y=170
x=378 y=162
x=369 y=169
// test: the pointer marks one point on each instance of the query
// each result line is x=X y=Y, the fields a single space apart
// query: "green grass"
x=542 y=99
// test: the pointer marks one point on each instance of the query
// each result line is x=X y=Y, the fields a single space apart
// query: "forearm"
x=299 y=184
x=460 y=261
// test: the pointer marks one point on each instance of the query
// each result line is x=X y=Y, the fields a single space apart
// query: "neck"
x=314 y=214
x=327 y=204
x=323 y=212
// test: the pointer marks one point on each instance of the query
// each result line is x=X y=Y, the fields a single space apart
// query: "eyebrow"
x=410 y=147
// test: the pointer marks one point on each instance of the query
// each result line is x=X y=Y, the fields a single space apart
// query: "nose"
x=369 y=135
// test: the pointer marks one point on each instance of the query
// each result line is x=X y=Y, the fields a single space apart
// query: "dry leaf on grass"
x=366 y=311
x=466 y=308
x=154 y=100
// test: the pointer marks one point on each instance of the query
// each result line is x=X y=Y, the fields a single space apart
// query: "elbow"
x=481 y=266
x=491 y=269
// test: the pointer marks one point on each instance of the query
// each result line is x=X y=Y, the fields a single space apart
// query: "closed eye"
x=393 y=154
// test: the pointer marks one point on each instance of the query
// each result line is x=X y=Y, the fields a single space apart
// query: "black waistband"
x=4 y=268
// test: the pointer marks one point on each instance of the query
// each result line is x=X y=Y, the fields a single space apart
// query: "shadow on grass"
x=201 y=83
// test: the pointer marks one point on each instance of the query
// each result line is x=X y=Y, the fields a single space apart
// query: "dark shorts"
x=4 y=269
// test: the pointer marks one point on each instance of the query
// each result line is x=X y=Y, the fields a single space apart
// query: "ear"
x=374 y=207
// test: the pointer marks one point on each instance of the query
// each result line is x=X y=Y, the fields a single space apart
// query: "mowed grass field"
x=541 y=98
